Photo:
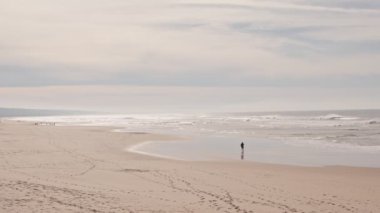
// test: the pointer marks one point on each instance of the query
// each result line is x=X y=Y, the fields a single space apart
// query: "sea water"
x=313 y=138
x=14 y=112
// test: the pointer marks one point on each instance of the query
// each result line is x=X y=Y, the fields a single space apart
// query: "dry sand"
x=85 y=169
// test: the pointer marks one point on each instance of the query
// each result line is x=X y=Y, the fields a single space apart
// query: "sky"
x=190 y=55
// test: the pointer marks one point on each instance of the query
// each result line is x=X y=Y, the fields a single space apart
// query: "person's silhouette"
x=242 y=150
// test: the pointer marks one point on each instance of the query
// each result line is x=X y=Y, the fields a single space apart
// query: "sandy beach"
x=86 y=169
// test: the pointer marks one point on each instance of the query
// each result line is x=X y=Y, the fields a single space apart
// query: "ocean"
x=311 y=138
x=17 y=112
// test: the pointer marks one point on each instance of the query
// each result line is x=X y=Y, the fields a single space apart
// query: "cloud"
x=303 y=37
x=192 y=43
x=310 y=6
x=180 y=99
x=353 y=4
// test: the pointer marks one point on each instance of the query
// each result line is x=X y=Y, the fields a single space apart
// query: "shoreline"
x=65 y=169
x=276 y=140
x=174 y=139
x=133 y=149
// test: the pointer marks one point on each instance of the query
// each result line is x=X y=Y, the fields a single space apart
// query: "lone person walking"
x=242 y=150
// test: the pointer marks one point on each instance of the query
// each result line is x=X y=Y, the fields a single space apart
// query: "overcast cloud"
x=280 y=44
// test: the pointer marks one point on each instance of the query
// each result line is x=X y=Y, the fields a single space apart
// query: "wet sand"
x=85 y=169
x=264 y=150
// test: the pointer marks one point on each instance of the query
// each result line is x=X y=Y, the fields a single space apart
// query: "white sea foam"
x=330 y=129
x=336 y=117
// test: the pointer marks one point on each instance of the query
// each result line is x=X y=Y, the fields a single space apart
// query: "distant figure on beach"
x=242 y=150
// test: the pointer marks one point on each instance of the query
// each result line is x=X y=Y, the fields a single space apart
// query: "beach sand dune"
x=85 y=169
